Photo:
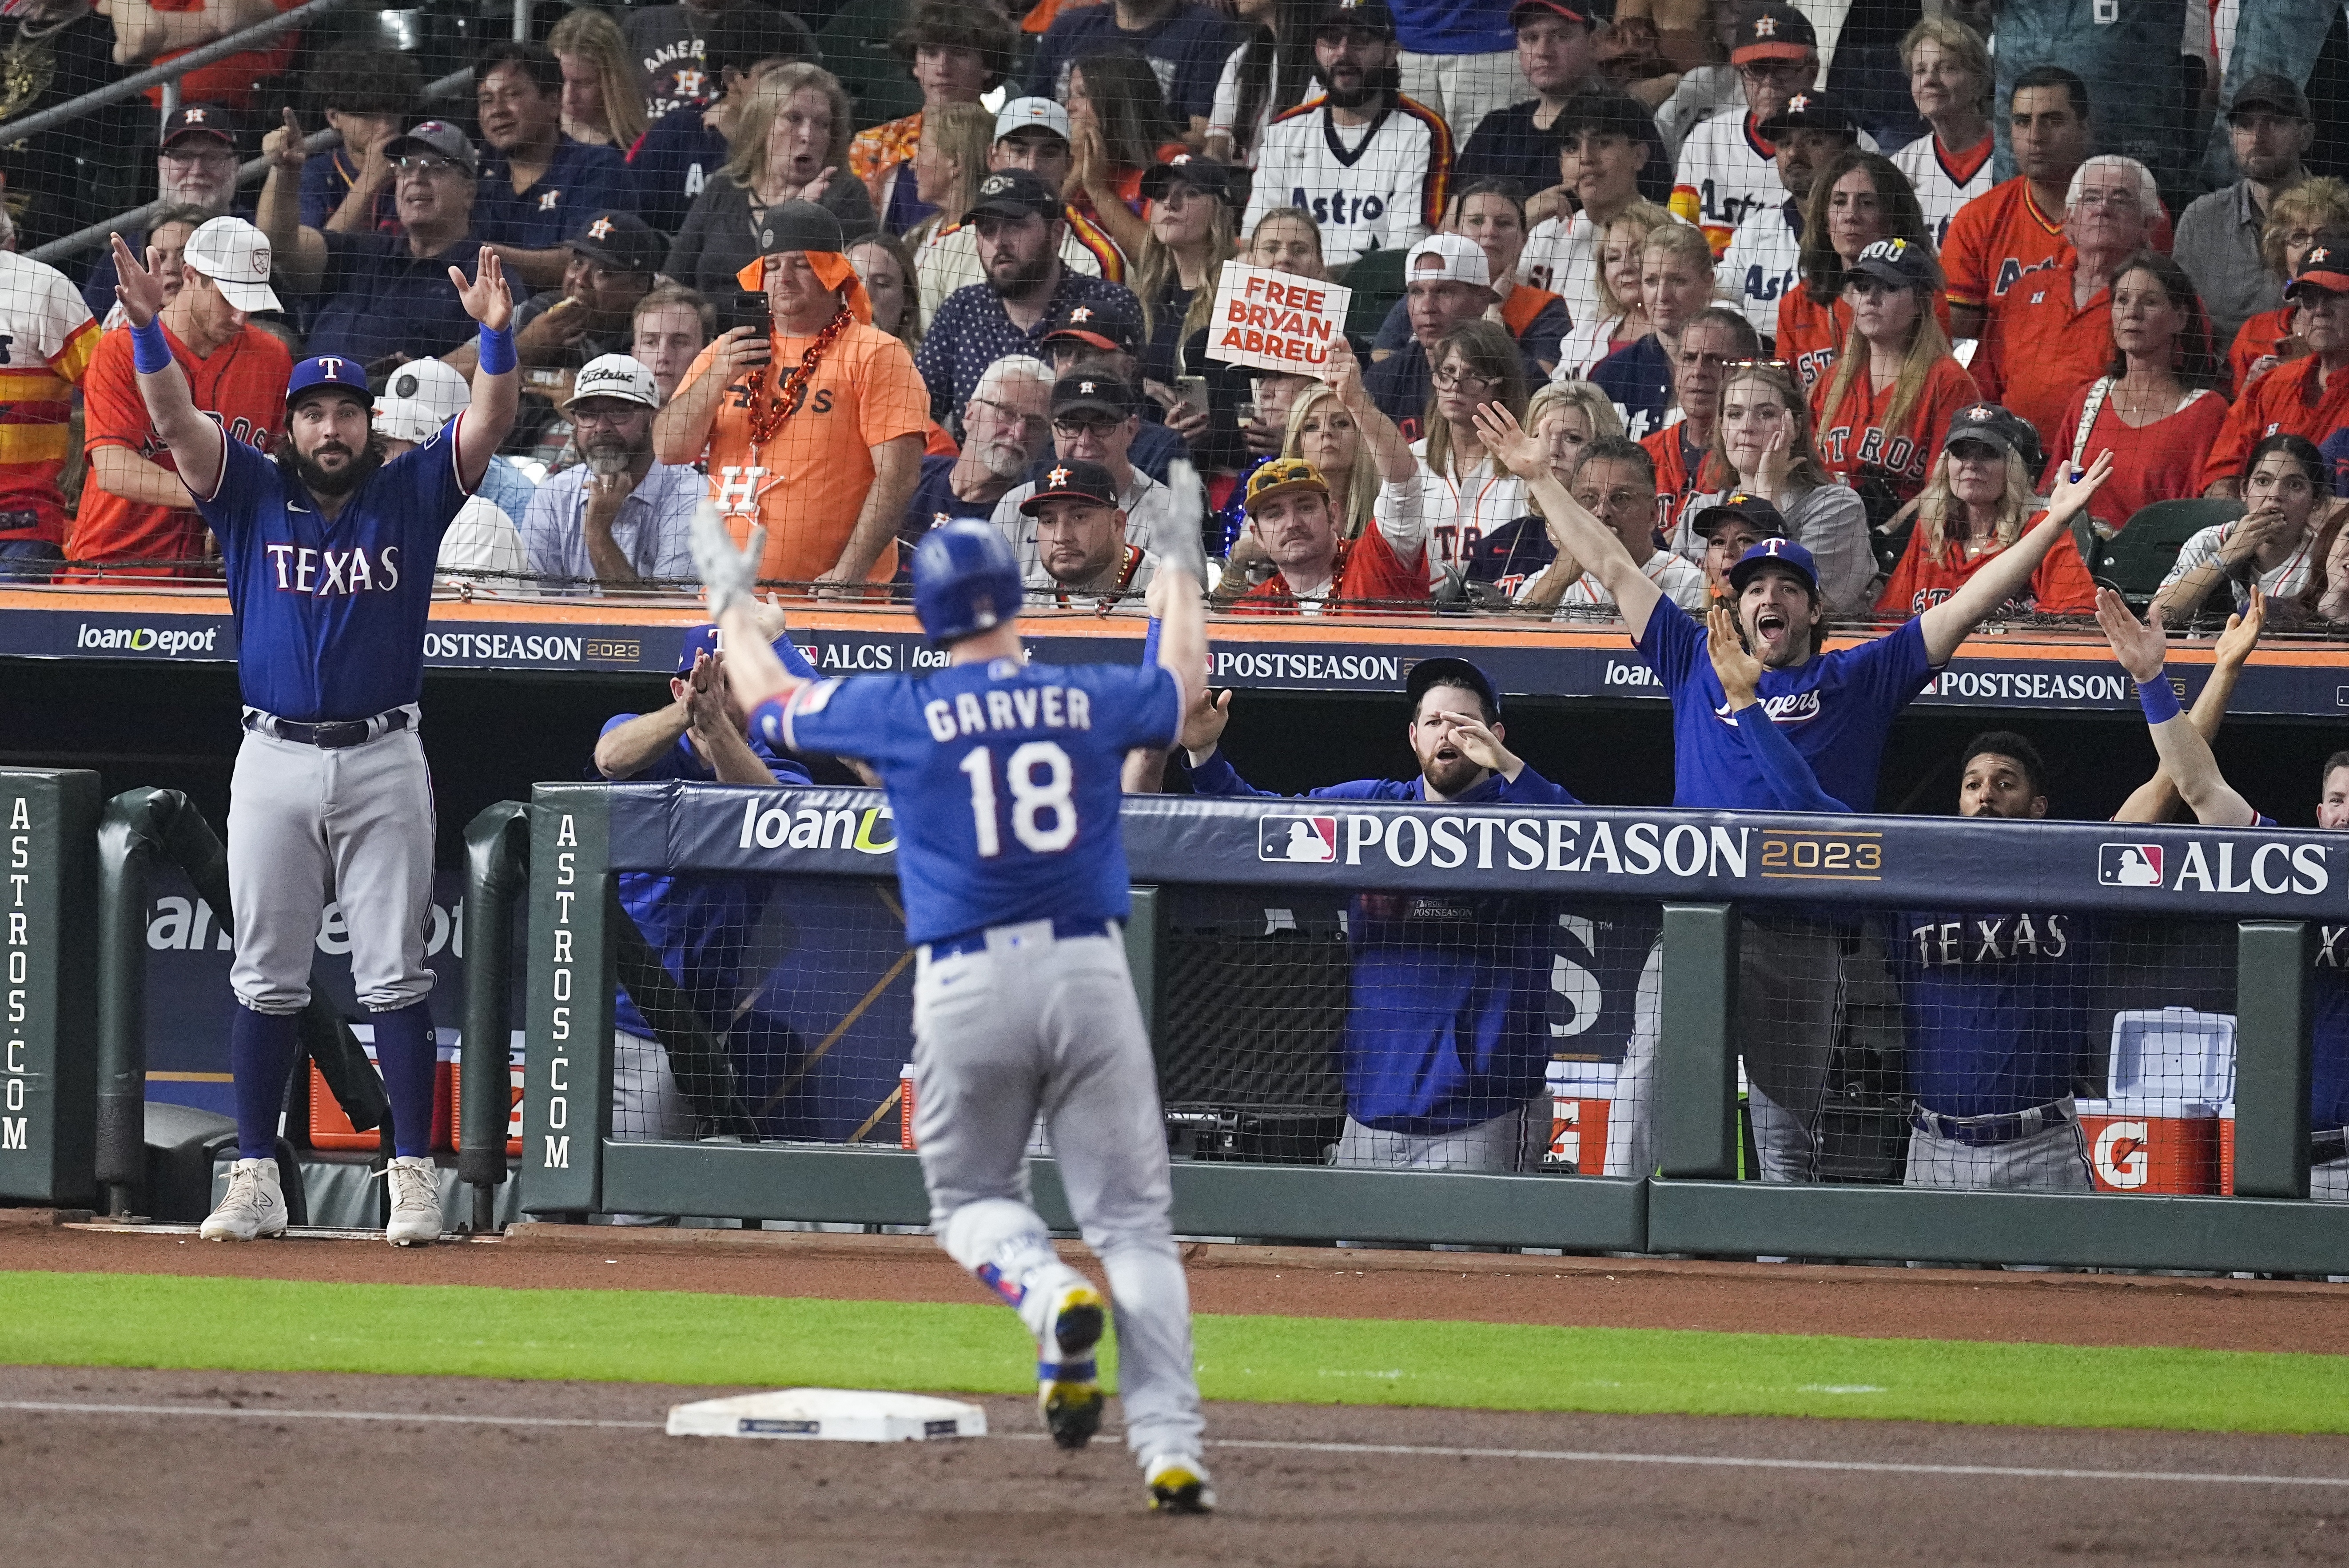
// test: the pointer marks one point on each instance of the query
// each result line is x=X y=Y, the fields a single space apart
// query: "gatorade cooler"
x=1582 y=1093
x=2171 y=1074
x=905 y=1106
x=330 y=1128
x=513 y=1090
x=2227 y=1149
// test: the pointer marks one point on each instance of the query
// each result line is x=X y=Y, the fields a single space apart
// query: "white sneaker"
x=254 y=1207
x=1178 y=1484
x=415 y=1202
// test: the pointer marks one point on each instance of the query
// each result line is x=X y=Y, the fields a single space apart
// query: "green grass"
x=141 y=1320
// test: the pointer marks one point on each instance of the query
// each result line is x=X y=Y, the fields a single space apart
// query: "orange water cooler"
x=2167 y=1126
x=1582 y=1095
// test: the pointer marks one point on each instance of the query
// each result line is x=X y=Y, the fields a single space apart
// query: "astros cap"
x=1780 y=553
x=623 y=241
x=1448 y=259
x=437 y=135
x=1107 y=324
x=328 y=373
x=236 y=256
x=1741 y=505
x=1280 y=476
x=1031 y=114
x=199 y=121
x=1773 y=30
x=439 y=387
x=1996 y=426
x=2326 y=268
x=1095 y=390
x=614 y=376
x=1449 y=671
x=1073 y=480
x=1813 y=111
x=1201 y=174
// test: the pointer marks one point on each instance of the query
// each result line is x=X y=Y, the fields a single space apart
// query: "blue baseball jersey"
x=1836 y=708
x=700 y=925
x=1999 y=1007
x=1002 y=776
x=330 y=613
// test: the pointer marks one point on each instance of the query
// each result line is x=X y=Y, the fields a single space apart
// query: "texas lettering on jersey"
x=324 y=571
x=1996 y=939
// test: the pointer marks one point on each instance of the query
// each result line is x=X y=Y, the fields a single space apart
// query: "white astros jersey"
x=1376 y=187
x=1944 y=181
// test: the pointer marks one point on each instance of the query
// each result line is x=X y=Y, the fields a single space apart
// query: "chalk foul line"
x=1407 y=1451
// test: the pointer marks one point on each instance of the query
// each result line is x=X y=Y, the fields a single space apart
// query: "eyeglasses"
x=607 y=416
x=1029 y=424
x=1613 y=500
x=1770 y=71
x=1445 y=380
x=1075 y=428
x=214 y=156
x=420 y=163
x=2097 y=198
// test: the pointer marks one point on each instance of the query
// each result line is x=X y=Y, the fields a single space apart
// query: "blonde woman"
x=948 y=166
x=1621 y=319
x=1896 y=387
x=1981 y=500
x=1763 y=439
x=603 y=94
x=1191 y=237
x=1565 y=417
x=1676 y=286
x=790 y=143
x=1321 y=432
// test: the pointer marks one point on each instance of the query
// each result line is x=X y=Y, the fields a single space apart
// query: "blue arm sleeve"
x=794 y=660
x=1793 y=786
x=1150 y=644
x=1215 y=777
x=1530 y=789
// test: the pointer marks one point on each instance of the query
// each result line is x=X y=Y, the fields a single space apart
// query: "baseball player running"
x=329 y=550
x=1003 y=777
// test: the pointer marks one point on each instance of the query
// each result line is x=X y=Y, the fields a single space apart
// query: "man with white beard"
x=1006 y=427
x=616 y=521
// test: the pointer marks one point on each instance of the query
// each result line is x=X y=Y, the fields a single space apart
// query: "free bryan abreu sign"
x=1274 y=320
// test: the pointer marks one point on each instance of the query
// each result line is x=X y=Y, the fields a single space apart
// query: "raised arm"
x=1174 y=597
x=2185 y=755
x=2008 y=573
x=681 y=431
x=497 y=390
x=2156 y=797
x=1397 y=464
x=752 y=670
x=299 y=252
x=194 y=439
x=1580 y=534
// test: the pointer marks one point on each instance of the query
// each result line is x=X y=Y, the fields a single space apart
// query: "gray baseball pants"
x=1037 y=1024
x=1514 y=1142
x=354 y=823
x=2052 y=1160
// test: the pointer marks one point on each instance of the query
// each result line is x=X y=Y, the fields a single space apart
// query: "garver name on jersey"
x=324 y=571
x=1053 y=707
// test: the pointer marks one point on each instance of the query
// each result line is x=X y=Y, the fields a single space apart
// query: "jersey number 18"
x=1040 y=775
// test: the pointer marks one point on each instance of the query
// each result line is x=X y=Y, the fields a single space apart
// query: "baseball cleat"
x=1178 y=1484
x=1067 y=1388
x=254 y=1206
x=415 y=1203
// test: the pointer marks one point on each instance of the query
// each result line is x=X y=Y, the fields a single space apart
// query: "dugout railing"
x=1705 y=873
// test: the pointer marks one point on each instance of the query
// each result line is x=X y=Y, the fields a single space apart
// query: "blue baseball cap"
x=330 y=370
x=1783 y=552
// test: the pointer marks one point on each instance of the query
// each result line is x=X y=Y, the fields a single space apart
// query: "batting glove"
x=728 y=573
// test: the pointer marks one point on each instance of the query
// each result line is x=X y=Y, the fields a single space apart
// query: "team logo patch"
x=601 y=229
x=1311 y=840
x=1766 y=26
x=813 y=699
x=194 y=115
x=546 y=202
x=2128 y=865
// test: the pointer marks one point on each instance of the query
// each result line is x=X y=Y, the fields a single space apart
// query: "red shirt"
x=241 y=384
x=1811 y=334
x=2046 y=348
x=1368 y=569
x=2286 y=398
x=2161 y=461
x=1852 y=435
x=2061 y=586
x=2254 y=340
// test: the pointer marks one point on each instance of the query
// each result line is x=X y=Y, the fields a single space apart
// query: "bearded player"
x=1003 y=777
x=329 y=550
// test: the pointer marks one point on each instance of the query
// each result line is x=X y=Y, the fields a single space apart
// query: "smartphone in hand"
x=751 y=309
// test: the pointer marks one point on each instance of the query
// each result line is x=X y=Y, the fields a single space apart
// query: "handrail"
x=172 y=70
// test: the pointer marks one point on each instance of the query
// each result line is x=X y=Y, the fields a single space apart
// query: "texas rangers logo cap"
x=331 y=372
x=1778 y=551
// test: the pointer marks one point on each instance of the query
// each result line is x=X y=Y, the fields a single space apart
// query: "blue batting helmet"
x=966 y=580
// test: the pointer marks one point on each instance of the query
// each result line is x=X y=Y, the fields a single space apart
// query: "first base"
x=831 y=1415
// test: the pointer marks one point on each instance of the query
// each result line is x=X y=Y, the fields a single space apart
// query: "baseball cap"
x=1111 y=323
x=1448 y=259
x=436 y=136
x=1204 y=174
x=1579 y=11
x=1752 y=508
x=236 y=256
x=799 y=226
x=1448 y=671
x=623 y=241
x=2270 y=91
x=439 y=387
x=193 y=119
x=1368 y=16
x=1093 y=389
x=1031 y=114
x=614 y=376
x=405 y=420
x=1281 y=475
x=1779 y=551
x=2326 y=268
x=1014 y=193
x=1811 y=111
x=1073 y=481
x=329 y=372
x=1997 y=427
x=1773 y=30
x=1903 y=263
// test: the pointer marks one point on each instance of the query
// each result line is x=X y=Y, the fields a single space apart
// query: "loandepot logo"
x=146 y=640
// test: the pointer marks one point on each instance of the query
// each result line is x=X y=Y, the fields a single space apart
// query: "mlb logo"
x=2128 y=865
x=1311 y=840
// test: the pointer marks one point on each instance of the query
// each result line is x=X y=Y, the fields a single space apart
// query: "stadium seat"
x=1377 y=282
x=2139 y=556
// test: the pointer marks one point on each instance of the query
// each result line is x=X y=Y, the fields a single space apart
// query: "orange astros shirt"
x=44 y=354
x=2047 y=346
x=1852 y=436
x=2061 y=585
x=807 y=482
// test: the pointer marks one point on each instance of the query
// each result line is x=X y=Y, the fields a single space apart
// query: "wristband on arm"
x=2160 y=702
x=497 y=348
x=151 y=350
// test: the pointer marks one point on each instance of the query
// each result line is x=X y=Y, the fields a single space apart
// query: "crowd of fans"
x=1651 y=233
